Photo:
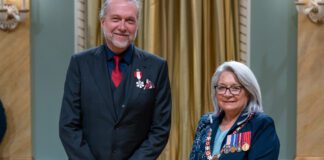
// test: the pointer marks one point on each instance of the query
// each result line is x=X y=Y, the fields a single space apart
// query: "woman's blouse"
x=220 y=135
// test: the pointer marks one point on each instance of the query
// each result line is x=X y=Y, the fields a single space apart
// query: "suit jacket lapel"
x=214 y=126
x=98 y=67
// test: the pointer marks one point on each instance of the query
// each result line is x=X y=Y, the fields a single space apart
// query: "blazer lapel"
x=214 y=126
x=98 y=67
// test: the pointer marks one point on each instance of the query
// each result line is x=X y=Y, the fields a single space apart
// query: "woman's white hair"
x=105 y=6
x=246 y=79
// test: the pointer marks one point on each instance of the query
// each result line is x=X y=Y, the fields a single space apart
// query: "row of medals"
x=227 y=149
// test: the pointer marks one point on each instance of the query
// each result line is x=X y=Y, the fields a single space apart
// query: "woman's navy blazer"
x=264 y=140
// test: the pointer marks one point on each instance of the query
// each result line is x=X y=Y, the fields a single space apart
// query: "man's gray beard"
x=109 y=37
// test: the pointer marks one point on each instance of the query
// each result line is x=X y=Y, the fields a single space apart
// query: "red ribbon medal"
x=138 y=74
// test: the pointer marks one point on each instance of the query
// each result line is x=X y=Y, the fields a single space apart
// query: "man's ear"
x=102 y=22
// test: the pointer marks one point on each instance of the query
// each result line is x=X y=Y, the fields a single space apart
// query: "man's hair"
x=105 y=7
x=246 y=79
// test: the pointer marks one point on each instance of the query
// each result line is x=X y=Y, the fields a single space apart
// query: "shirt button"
x=123 y=106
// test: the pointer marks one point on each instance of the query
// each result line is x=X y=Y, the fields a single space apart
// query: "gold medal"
x=246 y=141
x=233 y=149
x=215 y=158
x=245 y=147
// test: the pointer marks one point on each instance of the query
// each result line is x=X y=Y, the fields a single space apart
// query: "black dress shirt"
x=125 y=60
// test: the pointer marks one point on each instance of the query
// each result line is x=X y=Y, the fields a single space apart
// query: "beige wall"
x=310 y=93
x=15 y=92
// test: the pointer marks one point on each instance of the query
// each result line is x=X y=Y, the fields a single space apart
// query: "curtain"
x=194 y=36
x=94 y=33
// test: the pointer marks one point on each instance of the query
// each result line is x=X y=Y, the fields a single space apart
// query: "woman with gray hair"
x=238 y=128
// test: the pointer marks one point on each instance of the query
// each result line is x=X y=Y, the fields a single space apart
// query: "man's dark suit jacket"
x=89 y=127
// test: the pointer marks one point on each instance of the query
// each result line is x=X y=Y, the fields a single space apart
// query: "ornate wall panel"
x=310 y=93
x=15 y=92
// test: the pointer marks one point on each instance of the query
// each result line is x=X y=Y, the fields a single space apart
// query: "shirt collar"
x=126 y=55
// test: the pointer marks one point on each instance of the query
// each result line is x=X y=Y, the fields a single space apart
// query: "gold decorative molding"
x=313 y=9
x=11 y=16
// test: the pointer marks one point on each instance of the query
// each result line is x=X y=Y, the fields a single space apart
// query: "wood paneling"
x=310 y=94
x=15 y=92
x=309 y=158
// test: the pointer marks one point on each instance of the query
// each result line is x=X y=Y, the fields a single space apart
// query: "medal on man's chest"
x=138 y=74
